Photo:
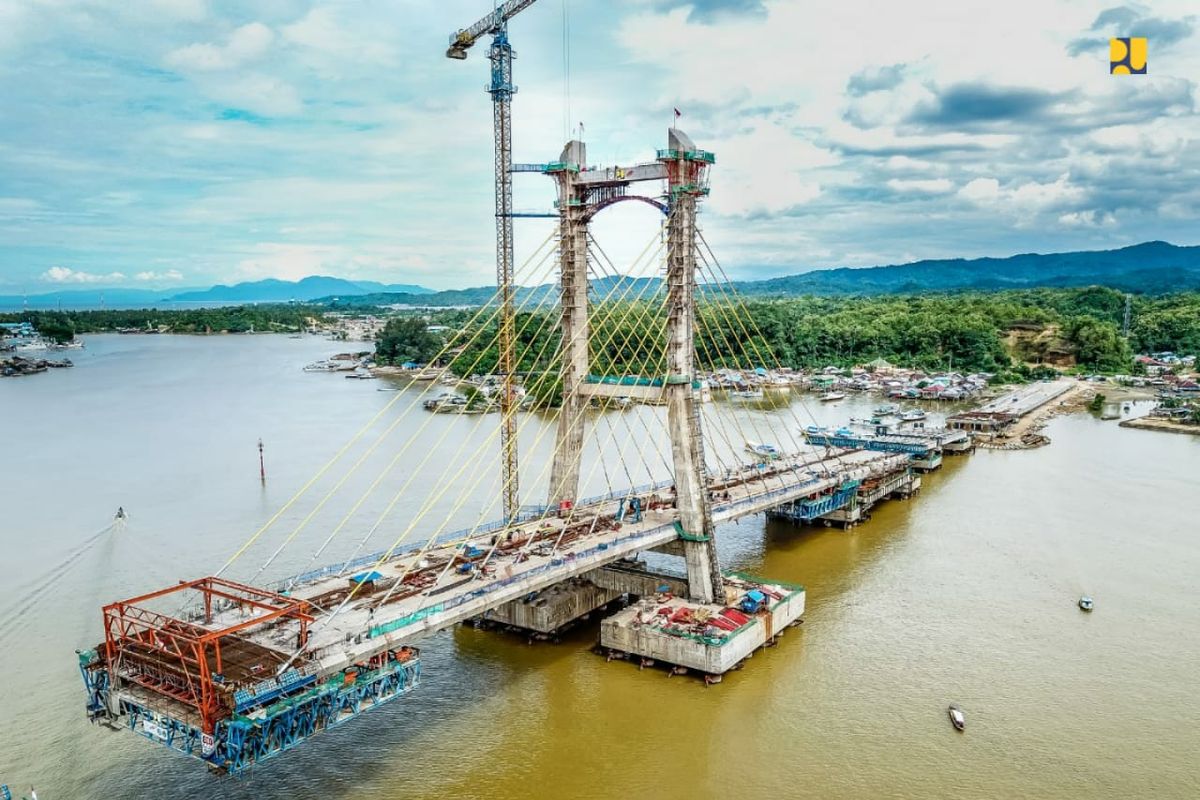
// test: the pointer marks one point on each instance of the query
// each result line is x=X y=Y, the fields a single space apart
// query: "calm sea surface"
x=965 y=594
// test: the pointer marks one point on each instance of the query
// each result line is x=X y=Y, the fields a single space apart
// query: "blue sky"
x=170 y=143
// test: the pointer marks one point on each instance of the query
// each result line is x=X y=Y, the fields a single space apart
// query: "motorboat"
x=763 y=450
x=1086 y=603
x=444 y=399
x=887 y=409
x=957 y=719
x=829 y=397
x=913 y=415
x=815 y=430
x=747 y=394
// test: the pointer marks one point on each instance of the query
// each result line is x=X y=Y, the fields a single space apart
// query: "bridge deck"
x=433 y=596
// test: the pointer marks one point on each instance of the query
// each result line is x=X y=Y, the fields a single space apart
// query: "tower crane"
x=501 y=89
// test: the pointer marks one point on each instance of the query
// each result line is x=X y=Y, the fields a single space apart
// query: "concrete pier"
x=554 y=607
x=707 y=637
x=928 y=462
x=902 y=485
x=559 y=606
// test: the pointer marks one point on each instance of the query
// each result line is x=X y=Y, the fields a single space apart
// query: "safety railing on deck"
x=576 y=558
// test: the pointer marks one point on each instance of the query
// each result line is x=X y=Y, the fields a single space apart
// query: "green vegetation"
x=1097 y=404
x=1019 y=335
x=407 y=339
x=63 y=325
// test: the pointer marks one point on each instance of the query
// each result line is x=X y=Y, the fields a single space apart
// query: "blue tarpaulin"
x=367 y=577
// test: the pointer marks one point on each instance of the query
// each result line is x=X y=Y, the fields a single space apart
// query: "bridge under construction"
x=235 y=672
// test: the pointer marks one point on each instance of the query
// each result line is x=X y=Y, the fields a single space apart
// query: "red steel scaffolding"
x=195 y=664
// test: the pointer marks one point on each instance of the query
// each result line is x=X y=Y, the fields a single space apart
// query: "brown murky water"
x=965 y=594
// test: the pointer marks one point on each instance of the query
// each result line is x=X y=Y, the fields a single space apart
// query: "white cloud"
x=18 y=206
x=262 y=94
x=68 y=275
x=185 y=10
x=909 y=164
x=1027 y=199
x=247 y=43
x=319 y=30
x=923 y=186
x=166 y=276
x=981 y=190
x=1034 y=196
x=1088 y=219
x=397 y=161
x=292 y=261
x=766 y=169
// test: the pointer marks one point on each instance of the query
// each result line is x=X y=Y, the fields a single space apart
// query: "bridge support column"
x=685 y=170
x=573 y=271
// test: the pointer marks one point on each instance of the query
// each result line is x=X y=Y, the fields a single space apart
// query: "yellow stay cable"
x=546 y=296
x=447 y=483
x=364 y=456
x=337 y=456
x=430 y=501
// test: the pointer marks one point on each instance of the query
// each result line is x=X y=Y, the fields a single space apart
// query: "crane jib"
x=461 y=40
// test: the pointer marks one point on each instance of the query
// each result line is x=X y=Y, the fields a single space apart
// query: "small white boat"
x=830 y=397
x=769 y=451
x=747 y=394
x=957 y=719
x=913 y=415
x=1086 y=603
x=887 y=409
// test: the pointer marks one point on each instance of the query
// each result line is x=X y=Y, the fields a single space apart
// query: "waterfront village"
x=1168 y=378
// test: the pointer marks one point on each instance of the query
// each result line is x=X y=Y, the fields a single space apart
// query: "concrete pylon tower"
x=573 y=272
x=687 y=181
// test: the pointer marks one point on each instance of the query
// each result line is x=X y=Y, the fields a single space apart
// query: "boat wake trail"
x=34 y=591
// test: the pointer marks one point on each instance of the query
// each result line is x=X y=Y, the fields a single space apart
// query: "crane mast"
x=501 y=89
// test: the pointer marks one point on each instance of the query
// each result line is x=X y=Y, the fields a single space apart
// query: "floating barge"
x=209 y=690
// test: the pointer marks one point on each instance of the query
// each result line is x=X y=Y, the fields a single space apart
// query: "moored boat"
x=763 y=450
x=829 y=397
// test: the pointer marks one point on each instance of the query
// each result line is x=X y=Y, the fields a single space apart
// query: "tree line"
x=62 y=326
x=961 y=331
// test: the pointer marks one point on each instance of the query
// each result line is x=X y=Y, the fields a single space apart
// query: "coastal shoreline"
x=1163 y=425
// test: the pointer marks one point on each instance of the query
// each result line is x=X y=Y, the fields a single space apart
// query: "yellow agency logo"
x=1127 y=56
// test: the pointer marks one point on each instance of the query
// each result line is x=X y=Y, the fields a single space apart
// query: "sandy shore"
x=1157 y=424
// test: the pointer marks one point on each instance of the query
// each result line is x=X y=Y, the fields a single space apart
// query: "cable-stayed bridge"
x=236 y=671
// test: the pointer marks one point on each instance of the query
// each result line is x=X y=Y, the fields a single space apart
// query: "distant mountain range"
x=303 y=290
x=265 y=291
x=1151 y=268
